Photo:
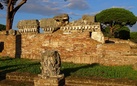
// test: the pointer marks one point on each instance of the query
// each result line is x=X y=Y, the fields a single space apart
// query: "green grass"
x=20 y=65
x=69 y=69
x=99 y=71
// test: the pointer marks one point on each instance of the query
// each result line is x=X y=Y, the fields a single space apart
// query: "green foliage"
x=106 y=31
x=116 y=16
x=120 y=32
x=133 y=36
x=2 y=27
x=123 y=33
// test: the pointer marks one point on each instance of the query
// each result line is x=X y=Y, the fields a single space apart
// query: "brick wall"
x=76 y=47
x=7 y=44
x=71 y=81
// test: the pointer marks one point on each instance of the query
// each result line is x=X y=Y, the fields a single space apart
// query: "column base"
x=50 y=81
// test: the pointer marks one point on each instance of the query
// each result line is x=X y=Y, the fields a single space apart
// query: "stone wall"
x=71 y=81
x=98 y=82
x=77 y=48
x=28 y=26
x=61 y=22
x=8 y=44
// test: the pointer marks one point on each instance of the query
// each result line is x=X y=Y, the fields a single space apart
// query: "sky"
x=39 y=9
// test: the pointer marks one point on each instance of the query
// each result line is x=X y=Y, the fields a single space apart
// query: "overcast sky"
x=38 y=9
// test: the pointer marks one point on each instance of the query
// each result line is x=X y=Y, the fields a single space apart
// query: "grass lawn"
x=69 y=69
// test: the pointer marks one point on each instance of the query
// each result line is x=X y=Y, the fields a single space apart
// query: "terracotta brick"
x=77 y=48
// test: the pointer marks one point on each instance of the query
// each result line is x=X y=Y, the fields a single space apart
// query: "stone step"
x=20 y=76
x=17 y=79
x=79 y=84
x=98 y=82
x=15 y=83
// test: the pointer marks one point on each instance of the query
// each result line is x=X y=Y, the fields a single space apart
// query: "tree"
x=2 y=27
x=11 y=11
x=116 y=16
x=133 y=36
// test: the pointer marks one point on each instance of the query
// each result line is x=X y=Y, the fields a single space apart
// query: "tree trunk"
x=9 y=23
x=111 y=31
x=11 y=11
x=9 y=16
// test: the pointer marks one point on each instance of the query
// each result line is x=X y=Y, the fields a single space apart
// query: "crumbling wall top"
x=61 y=17
x=88 y=18
x=48 y=22
x=27 y=23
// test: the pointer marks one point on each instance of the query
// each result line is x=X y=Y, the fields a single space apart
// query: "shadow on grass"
x=3 y=73
x=67 y=71
x=5 y=59
x=12 y=68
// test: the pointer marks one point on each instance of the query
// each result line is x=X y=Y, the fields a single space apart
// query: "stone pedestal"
x=50 y=81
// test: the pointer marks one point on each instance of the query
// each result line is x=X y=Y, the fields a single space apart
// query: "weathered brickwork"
x=77 y=48
x=70 y=81
x=8 y=43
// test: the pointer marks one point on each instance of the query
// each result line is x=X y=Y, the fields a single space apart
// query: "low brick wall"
x=71 y=81
x=99 y=82
x=77 y=48
x=9 y=43
x=21 y=76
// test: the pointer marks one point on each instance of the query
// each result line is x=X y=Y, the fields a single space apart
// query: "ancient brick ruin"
x=61 y=22
x=80 y=41
x=28 y=26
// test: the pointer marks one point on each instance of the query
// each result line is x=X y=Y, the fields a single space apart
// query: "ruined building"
x=61 y=22
x=79 y=41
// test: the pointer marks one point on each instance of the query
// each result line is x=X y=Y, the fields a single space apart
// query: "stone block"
x=51 y=81
x=98 y=36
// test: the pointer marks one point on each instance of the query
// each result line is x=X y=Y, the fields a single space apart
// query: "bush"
x=106 y=31
x=2 y=27
x=133 y=36
x=122 y=33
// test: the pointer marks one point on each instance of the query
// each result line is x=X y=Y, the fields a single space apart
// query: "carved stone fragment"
x=62 y=19
x=28 y=26
x=50 y=64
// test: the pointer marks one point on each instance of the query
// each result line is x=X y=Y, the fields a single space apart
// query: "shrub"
x=133 y=36
x=2 y=27
x=122 y=33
